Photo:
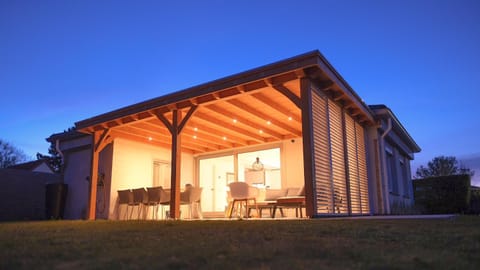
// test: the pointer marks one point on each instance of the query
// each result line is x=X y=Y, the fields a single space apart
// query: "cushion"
x=301 y=192
x=273 y=194
x=292 y=191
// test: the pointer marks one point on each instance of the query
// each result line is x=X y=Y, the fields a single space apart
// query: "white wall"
x=292 y=163
x=132 y=167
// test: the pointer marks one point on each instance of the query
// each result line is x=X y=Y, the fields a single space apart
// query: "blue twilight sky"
x=64 y=61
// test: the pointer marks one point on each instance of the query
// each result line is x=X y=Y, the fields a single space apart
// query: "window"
x=391 y=171
x=405 y=178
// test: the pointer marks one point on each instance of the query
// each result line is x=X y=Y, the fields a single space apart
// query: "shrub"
x=443 y=194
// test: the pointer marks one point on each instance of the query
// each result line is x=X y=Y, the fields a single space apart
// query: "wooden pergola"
x=267 y=104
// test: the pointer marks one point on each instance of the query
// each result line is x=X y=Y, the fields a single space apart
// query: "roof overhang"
x=255 y=106
x=383 y=112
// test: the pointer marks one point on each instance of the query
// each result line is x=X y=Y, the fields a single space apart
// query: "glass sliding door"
x=267 y=174
x=213 y=174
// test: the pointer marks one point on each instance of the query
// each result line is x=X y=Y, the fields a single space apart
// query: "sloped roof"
x=31 y=165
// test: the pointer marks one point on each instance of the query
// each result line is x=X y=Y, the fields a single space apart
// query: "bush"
x=443 y=194
x=474 y=201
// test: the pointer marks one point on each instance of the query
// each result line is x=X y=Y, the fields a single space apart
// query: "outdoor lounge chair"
x=241 y=193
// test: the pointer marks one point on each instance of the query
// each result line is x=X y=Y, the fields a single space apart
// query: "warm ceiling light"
x=195 y=136
x=269 y=123
x=260 y=131
x=195 y=129
x=150 y=138
x=289 y=118
x=234 y=120
x=224 y=138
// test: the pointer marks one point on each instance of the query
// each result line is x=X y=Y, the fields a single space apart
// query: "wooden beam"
x=92 y=202
x=267 y=102
x=264 y=116
x=186 y=118
x=244 y=120
x=230 y=127
x=165 y=121
x=308 y=146
x=289 y=94
x=101 y=141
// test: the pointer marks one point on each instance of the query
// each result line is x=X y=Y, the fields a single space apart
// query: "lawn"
x=452 y=243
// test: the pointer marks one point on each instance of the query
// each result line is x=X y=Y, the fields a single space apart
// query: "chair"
x=241 y=193
x=125 y=197
x=164 y=200
x=192 y=196
x=154 y=195
x=140 y=198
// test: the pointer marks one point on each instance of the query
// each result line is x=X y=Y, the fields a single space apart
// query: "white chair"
x=191 y=197
x=241 y=193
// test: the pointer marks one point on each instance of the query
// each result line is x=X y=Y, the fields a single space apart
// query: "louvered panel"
x=354 y=184
x=322 y=157
x=338 y=158
x=362 y=168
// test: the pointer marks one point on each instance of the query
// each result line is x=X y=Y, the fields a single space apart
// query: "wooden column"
x=99 y=141
x=308 y=143
x=175 y=128
x=176 y=167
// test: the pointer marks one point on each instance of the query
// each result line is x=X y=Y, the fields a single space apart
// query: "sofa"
x=273 y=199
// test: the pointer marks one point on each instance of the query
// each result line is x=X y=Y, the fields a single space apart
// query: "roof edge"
x=379 y=109
x=310 y=59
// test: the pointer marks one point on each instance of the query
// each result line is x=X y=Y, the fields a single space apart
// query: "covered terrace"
x=267 y=104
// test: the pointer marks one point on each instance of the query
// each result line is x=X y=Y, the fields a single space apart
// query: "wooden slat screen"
x=323 y=187
x=357 y=166
x=354 y=183
x=362 y=167
x=337 y=158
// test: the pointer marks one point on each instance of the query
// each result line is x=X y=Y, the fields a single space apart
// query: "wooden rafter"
x=289 y=94
x=246 y=121
x=266 y=117
x=267 y=102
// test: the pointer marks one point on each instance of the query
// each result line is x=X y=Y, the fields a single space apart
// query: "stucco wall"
x=77 y=169
x=292 y=163
x=132 y=167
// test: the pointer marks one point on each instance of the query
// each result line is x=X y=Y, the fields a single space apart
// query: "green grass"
x=289 y=244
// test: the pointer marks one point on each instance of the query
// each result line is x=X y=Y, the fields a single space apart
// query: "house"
x=39 y=165
x=302 y=120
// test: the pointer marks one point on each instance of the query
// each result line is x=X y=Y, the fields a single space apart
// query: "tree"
x=442 y=166
x=10 y=155
x=53 y=158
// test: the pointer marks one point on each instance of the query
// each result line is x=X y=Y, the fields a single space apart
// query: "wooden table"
x=297 y=202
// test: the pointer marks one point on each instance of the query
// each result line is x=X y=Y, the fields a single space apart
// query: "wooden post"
x=99 y=141
x=175 y=129
x=93 y=177
x=308 y=143
x=176 y=165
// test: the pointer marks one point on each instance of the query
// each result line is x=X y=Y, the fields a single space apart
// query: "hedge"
x=443 y=195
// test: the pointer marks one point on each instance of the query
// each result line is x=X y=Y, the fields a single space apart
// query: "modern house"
x=298 y=116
